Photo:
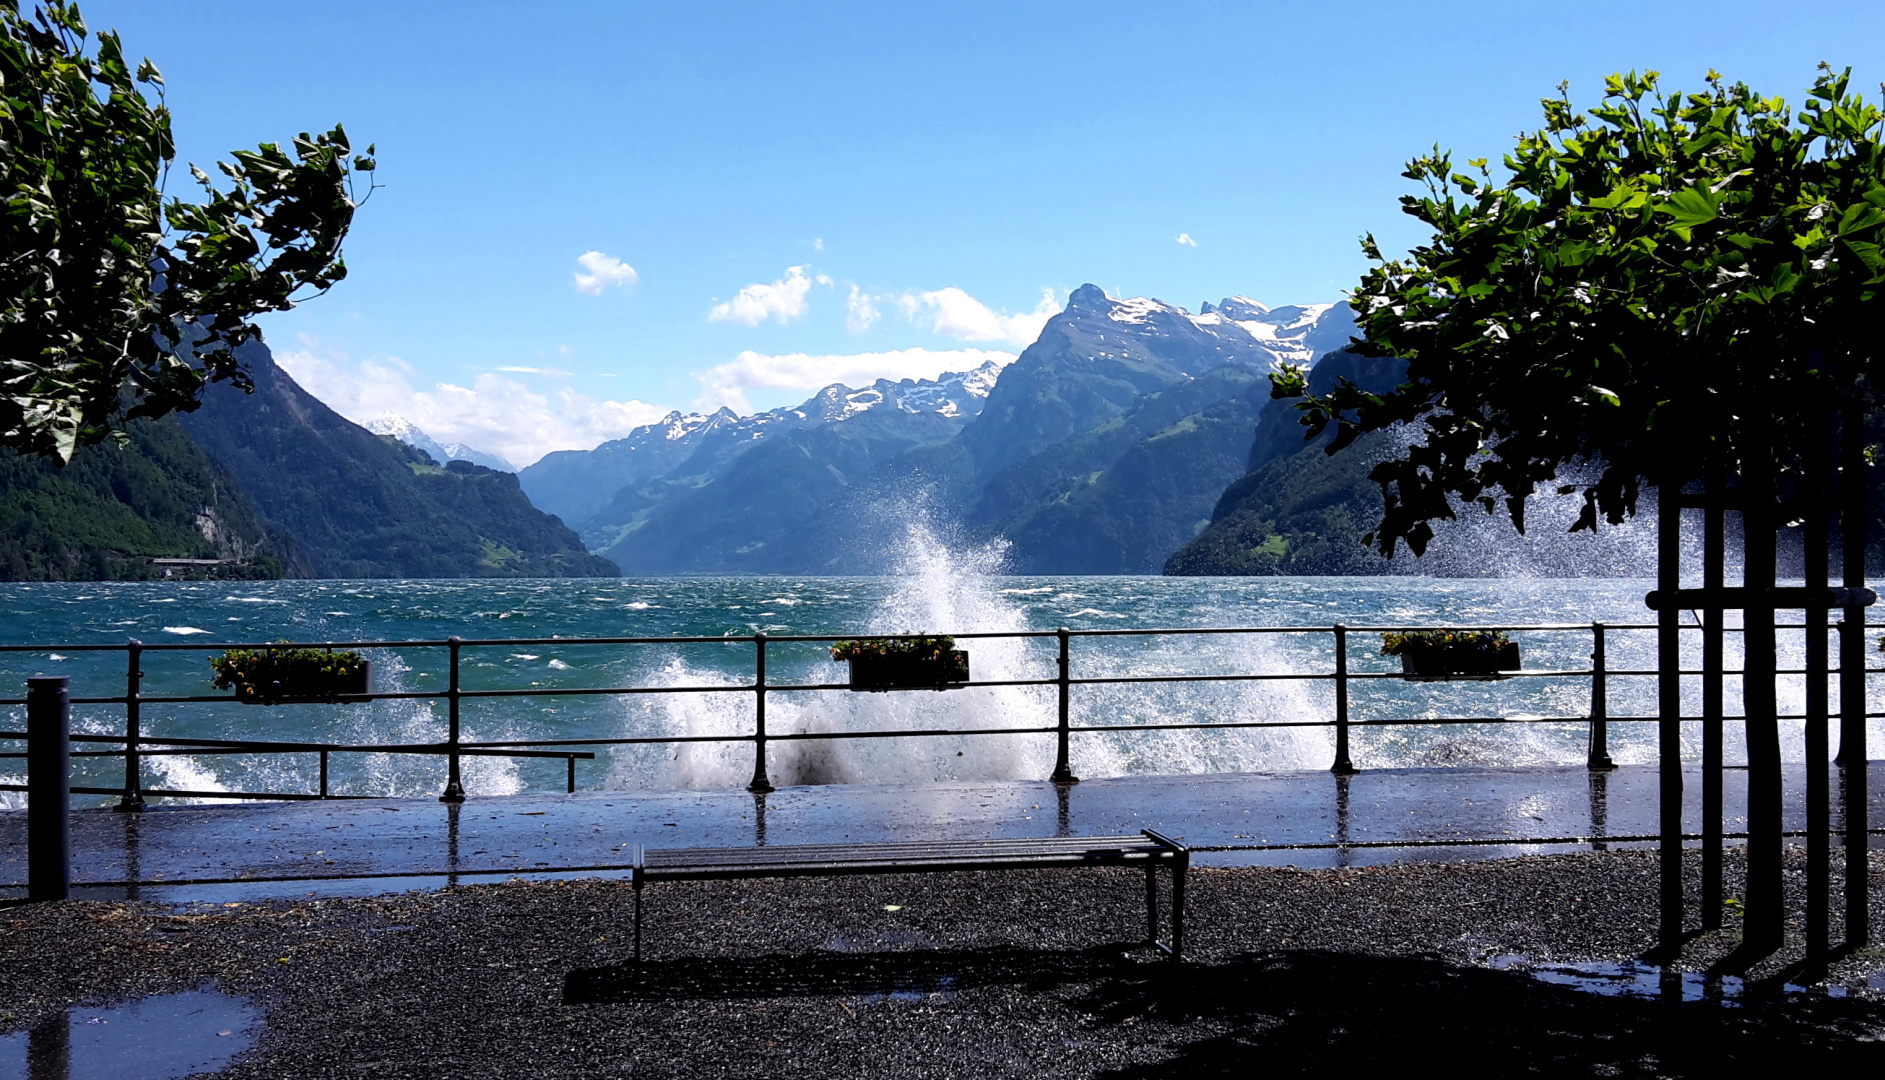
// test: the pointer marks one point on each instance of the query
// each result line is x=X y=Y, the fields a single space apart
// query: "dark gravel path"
x=1333 y=972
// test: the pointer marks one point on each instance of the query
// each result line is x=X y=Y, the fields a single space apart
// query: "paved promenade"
x=1304 y=819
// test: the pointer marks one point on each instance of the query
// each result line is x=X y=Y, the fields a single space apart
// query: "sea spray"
x=944 y=588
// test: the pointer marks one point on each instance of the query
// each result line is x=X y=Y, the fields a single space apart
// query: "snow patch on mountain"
x=409 y=433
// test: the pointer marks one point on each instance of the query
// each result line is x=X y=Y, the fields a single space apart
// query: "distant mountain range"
x=1102 y=449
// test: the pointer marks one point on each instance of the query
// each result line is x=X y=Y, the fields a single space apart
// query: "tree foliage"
x=118 y=301
x=1667 y=281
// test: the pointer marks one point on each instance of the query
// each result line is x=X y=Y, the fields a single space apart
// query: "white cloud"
x=954 y=313
x=600 y=271
x=1185 y=239
x=726 y=384
x=783 y=300
x=494 y=414
x=859 y=312
x=818 y=243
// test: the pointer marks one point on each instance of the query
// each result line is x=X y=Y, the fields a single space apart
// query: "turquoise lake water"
x=942 y=594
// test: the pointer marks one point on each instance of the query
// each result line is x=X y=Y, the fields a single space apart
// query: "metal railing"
x=135 y=745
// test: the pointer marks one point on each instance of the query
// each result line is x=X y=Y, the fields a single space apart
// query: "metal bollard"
x=48 y=788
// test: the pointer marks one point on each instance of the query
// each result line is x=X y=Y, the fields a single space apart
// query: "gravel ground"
x=1328 y=972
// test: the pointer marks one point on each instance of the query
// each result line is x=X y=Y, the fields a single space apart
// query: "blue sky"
x=940 y=174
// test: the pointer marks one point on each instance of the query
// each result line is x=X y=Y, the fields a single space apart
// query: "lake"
x=941 y=594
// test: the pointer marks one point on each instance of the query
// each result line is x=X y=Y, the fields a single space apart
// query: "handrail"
x=137 y=744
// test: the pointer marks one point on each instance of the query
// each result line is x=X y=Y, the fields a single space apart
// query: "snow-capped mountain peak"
x=410 y=433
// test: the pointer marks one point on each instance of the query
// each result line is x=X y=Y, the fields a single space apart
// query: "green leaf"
x=1690 y=207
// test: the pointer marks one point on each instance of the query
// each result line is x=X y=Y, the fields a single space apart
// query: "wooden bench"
x=1149 y=850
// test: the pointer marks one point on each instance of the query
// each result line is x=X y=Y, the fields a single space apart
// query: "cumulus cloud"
x=495 y=414
x=1185 y=239
x=859 y=311
x=954 y=313
x=598 y=272
x=783 y=300
x=726 y=384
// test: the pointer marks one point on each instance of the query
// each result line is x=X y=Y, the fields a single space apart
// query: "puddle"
x=1631 y=978
x=158 y=1038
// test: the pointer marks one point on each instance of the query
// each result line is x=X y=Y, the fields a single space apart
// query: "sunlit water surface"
x=937 y=591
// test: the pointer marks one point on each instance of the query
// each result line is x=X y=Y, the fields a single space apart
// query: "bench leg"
x=1178 y=905
x=1151 y=903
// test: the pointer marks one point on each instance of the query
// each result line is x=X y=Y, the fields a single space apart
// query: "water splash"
x=948 y=587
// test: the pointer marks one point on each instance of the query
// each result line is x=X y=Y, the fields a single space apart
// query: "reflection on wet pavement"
x=158 y=1038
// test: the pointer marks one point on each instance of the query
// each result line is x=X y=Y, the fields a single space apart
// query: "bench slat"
x=674 y=862
x=794 y=860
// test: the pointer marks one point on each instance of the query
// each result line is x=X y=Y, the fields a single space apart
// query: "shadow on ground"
x=904 y=972
x=1314 y=1013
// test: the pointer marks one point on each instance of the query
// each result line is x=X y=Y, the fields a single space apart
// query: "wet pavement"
x=1304 y=819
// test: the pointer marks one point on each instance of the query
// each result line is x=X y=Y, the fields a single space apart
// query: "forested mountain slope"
x=364 y=505
x=111 y=510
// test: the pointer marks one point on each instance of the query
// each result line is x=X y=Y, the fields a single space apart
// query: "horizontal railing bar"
x=746 y=639
x=242 y=746
x=568 y=691
x=285 y=796
x=213 y=751
x=917 y=733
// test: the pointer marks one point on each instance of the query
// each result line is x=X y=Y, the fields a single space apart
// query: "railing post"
x=1063 y=771
x=571 y=789
x=1852 y=658
x=48 y=788
x=132 y=801
x=454 y=781
x=1343 y=766
x=323 y=774
x=760 y=784
x=1599 y=702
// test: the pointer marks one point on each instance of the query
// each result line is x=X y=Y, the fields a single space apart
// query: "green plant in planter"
x=907 y=663
x=1446 y=654
x=267 y=675
x=1424 y=642
x=912 y=647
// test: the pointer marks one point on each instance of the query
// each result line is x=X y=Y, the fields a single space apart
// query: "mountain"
x=1101 y=449
x=1098 y=357
x=363 y=505
x=114 y=508
x=1298 y=509
x=580 y=485
x=755 y=491
x=409 y=433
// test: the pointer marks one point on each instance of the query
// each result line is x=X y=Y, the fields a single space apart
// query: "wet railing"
x=135 y=745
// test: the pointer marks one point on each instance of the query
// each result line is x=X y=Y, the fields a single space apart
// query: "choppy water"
x=937 y=592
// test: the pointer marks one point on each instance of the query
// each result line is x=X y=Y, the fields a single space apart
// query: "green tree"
x=118 y=301
x=1664 y=281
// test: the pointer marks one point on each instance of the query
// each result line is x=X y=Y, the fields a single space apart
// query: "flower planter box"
x=939 y=671
x=1433 y=665
x=262 y=678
